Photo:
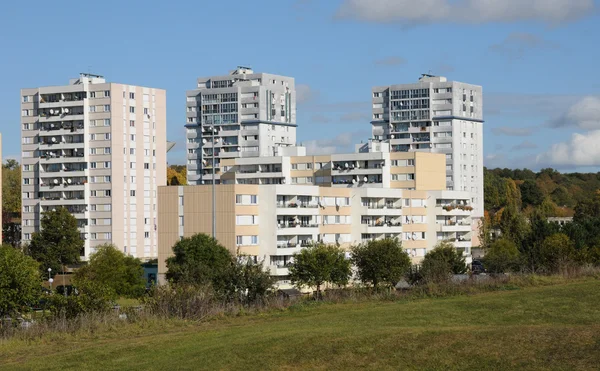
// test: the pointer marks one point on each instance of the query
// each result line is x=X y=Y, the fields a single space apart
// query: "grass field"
x=538 y=328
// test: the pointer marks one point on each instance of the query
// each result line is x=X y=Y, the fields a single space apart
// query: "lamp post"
x=213 y=131
x=50 y=280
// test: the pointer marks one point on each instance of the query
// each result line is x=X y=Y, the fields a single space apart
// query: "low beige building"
x=270 y=223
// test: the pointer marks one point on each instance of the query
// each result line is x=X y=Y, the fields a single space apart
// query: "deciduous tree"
x=381 y=262
x=20 y=282
x=58 y=243
x=318 y=265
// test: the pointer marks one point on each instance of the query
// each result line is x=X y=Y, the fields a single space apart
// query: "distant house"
x=561 y=220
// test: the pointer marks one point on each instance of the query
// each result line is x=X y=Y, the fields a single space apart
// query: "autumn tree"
x=176 y=175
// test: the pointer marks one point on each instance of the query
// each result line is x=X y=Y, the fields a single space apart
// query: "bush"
x=502 y=256
x=557 y=253
x=183 y=301
x=439 y=265
x=19 y=282
x=90 y=297
x=200 y=260
x=122 y=274
x=381 y=261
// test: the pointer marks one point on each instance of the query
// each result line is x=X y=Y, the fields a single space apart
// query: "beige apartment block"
x=271 y=223
x=98 y=149
x=382 y=169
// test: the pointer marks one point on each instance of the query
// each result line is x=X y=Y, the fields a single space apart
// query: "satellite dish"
x=239 y=149
x=66 y=110
x=392 y=136
x=55 y=181
x=353 y=181
x=53 y=139
x=52 y=125
x=365 y=179
x=283 y=181
x=51 y=111
x=346 y=165
x=204 y=141
x=69 y=181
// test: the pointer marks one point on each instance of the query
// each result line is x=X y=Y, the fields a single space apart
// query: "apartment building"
x=270 y=223
x=239 y=115
x=440 y=116
x=373 y=166
x=98 y=149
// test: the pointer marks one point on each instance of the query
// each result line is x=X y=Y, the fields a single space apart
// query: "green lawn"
x=540 y=328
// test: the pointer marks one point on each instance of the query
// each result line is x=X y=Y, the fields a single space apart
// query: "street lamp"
x=213 y=131
x=50 y=280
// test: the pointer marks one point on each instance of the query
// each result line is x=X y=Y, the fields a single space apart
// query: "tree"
x=513 y=225
x=253 y=283
x=441 y=262
x=557 y=252
x=485 y=228
x=19 y=281
x=176 y=175
x=319 y=264
x=122 y=274
x=200 y=260
x=381 y=261
x=59 y=242
x=513 y=194
x=11 y=187
x=531 y=193
x=502 y=256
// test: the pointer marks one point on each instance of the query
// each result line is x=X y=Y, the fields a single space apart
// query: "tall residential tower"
x=242 y=114
x=440 y=116
x=98 y=149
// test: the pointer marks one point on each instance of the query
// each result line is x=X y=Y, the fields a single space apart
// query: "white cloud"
x=581 y=150
x=512 y=132
x=517 y=44
x=584 y=114
x=390 y=61
x=464 y=11
x=304 y=93
x=342 y=143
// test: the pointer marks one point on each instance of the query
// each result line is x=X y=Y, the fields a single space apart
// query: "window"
x=131 y=109
x=181 y=221
x=146 y=234
x=107 y=108
x=106 y=122
x=133 y=137
x=132 y=151
x=107 y=164
x=238 y=240
x=131 y=123
x=131 y=95
x=26 y=98
x=106 y=136
x=180 y=200
x=92 y=151
x=92 y=108
x=107 y=93
x=92 y=94
x=254 y=240
x=107 y=150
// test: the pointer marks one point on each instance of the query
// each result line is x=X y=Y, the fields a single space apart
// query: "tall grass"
x=179 y=306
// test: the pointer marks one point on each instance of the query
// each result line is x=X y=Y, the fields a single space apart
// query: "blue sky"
x=536 y=60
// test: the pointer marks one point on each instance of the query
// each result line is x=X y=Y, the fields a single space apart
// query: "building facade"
x=271 y=223
x=440 y=116
x=239 y=115
x=98 y=149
